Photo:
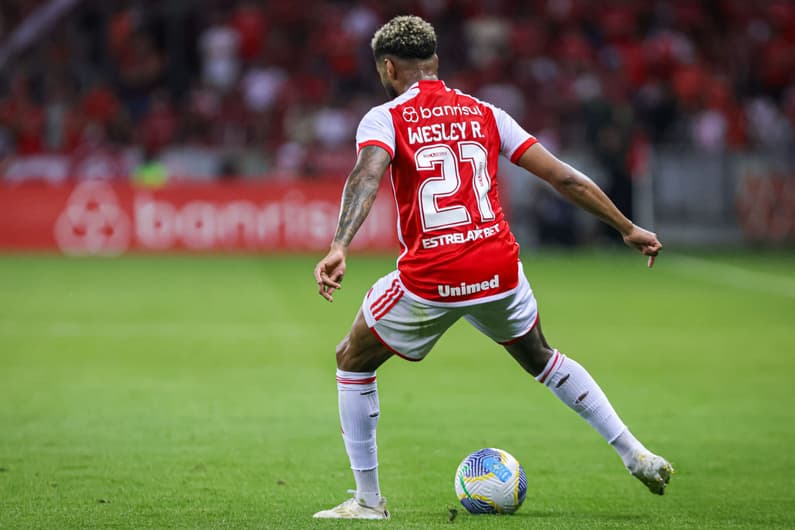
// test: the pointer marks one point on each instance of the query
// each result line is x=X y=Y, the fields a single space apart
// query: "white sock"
x=367 y=489
x=575 y=387
x=626 y=445
x=359 y=411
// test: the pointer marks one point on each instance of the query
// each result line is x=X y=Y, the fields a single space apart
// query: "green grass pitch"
x=183 y=392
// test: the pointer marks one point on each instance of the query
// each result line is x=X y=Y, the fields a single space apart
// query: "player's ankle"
x=626 y=445
x=369 y=498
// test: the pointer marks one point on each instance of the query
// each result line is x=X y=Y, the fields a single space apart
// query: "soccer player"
x=458 y=257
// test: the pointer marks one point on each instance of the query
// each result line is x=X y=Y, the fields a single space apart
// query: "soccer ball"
x=490 y=481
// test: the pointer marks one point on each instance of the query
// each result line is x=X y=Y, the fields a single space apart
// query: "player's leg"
x=358 y=356
x=575 y=387
x=387 y=324
x=513 y=322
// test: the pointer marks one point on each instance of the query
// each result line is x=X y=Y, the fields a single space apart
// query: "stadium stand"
x=263 y=85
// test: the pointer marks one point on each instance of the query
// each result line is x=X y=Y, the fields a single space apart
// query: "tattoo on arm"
x=360 y=191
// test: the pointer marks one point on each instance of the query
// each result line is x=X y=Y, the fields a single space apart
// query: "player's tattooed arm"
x=359 y=193
x=582 y=191
x=357 y=199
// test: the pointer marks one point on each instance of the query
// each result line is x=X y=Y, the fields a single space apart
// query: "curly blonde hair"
x=405 y=37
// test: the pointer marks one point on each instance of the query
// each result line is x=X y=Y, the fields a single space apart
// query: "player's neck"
x=417 y=75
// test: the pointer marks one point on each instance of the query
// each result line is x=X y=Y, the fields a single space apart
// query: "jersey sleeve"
x=514 y=140
x=376 y=128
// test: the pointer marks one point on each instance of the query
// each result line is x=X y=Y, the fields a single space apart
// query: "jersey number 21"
x=442 y=159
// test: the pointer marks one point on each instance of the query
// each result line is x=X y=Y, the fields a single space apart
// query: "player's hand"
x=329 y=272
x=644 y=241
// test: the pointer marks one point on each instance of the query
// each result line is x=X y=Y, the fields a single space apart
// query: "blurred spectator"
x=23 y=118
x=361 y=22
x=710 y=130
x=140 y=72
x=291 y=159
x=334 y=126
x=487 y=38
x=767 y=126
x=231 y=127
x=251 y=26
x=159 y=127
x=219 y=45
x=100 y=105
x=63 y=119
x=262 y=85
x=510 y=98
x=121 y=27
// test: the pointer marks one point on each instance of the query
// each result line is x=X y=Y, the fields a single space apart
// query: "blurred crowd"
x=277 y=88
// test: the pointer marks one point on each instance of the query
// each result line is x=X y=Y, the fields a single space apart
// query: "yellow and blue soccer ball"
x=490 y=481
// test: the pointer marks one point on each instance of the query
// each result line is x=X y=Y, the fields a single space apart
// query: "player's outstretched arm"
x=582 y=191
x=357 y=199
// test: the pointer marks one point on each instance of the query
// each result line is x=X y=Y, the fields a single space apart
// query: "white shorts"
x=409 y=326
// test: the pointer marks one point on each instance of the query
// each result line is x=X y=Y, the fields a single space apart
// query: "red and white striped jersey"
x=456 y=246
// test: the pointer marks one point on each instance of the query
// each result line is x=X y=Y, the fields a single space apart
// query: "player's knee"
x=349 y=358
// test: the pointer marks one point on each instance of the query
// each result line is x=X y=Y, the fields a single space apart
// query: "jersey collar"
x=428 y=84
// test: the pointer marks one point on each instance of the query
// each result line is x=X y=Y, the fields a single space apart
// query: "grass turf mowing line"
x=199 y=393
x=735 y=276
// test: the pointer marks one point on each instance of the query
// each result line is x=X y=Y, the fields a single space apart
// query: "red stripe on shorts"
x=385 y=309
x=383 y=295
x=384 y=298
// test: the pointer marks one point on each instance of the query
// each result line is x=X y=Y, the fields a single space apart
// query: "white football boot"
x=654 y=471
x=354 y=509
